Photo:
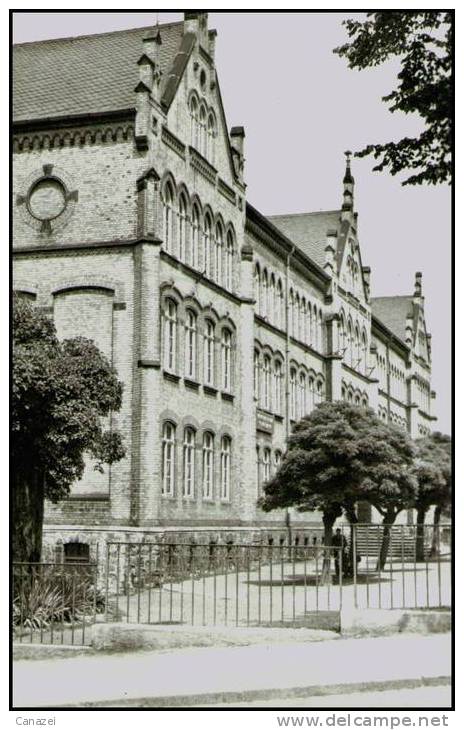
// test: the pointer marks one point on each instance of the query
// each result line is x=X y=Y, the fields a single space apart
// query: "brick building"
x=132 y=228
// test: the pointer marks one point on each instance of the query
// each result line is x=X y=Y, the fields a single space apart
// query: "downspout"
x=388 y=380
x=287 y=372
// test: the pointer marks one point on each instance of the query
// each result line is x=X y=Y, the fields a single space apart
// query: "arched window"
x=265 y=295
x=293 y=409
x=302 y=334
x=189 y=463
x=364 y=353
x=267 y=382
x=341 y=334
x=182 y=228
x=258 y=470
x=343 y=392
x=208 y=353
x=296 y=319
x=190 y=344
x=229 y=263
x=301 y=395
x=309 y=318
x=277 y=460
x=278 y=386
x=272 y=299
x=257 y=288
x=357 y=348
x=207 y=257
x=321 y=332
x=291 y=313
x=226 y=451
x=256 y=372
x=218 y=248
x=211 y=131
x=349 y=351
x=280 y=305
x=195 y=238
x=315 y=338
x=168 y=459
x=202 y=135
x=319 y=391
x=194 y=122
x=208 y=465
x=311 y=395
x=168 y=197
x=226 y=359
x=170 y=335
x=266 y=465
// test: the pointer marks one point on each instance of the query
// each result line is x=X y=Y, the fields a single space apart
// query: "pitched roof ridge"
x=394 y=296
x=309 y=212
x=97 y=35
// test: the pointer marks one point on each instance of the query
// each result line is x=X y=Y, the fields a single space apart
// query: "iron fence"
x=277 y=578
x=55 y=603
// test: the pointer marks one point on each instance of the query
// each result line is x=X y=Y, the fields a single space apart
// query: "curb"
x=215 y=698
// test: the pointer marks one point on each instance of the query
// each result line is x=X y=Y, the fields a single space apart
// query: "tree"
x=60 y=392
x=423 y=41
x=433 y=473
x=336 y=456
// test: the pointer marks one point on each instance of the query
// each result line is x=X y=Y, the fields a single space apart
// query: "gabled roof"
x=86 y=74
x=393 y=312
x=309 y=231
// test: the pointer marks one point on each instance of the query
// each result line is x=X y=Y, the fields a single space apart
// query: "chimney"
x=418 y=284
x=237 y=141
x=197 y=23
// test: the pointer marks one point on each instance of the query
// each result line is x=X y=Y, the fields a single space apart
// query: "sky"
x=302 y=108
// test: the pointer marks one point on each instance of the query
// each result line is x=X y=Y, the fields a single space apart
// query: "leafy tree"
x=435 y=456
x=423 y=41
x=337 y=455
x=60 y=392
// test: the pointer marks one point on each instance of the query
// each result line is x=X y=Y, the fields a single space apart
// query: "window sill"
x=210 y=390
x=227 y=396
x=278 y=417
x=171 y=376
x=192 y=384
x=170 y=497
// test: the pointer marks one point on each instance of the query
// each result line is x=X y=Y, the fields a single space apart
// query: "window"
x=195 y=240
x=321 y=332
x=207 y=258
x=290 y=313
x=265 y=295
x=229 y=263
x=278 y=386
x=182 y=228
x=266 y=465
x=211 y=132
x=202 y=132
x=293 y=393
x=189 y=463
x=190 y=344
x=170 y=335
x=308 y=325
x=257 y=288
x=315 y=340
x=168 y=459
x=312 y=395
x=226 y=448
x=218 y=247
x=301 y=395
x=280 y=305
x=76 y=552
x=267 y=382
x=209 y=353
x=272 y=300
x=277 y=460
x=168 y=197
x=208 y=465
x=194 y=121
x=256 y=374
x=226 y=358
x=319 y=392
x=296 y=319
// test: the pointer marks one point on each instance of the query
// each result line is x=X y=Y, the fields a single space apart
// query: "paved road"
x=195 y=674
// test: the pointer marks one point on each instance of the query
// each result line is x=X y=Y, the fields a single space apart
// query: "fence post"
x=355 y=565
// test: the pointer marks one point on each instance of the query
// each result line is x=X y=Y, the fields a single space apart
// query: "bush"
x=46 y=596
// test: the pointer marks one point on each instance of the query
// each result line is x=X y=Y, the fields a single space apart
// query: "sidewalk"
x=211 y=675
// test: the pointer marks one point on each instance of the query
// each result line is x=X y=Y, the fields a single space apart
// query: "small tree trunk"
x=28 y=512
x=436 y=531
x=421 y=512
x=351 y=557
x=388 y=521
x=328 y=520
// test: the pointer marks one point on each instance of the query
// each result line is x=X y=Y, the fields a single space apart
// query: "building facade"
x=132 y=228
